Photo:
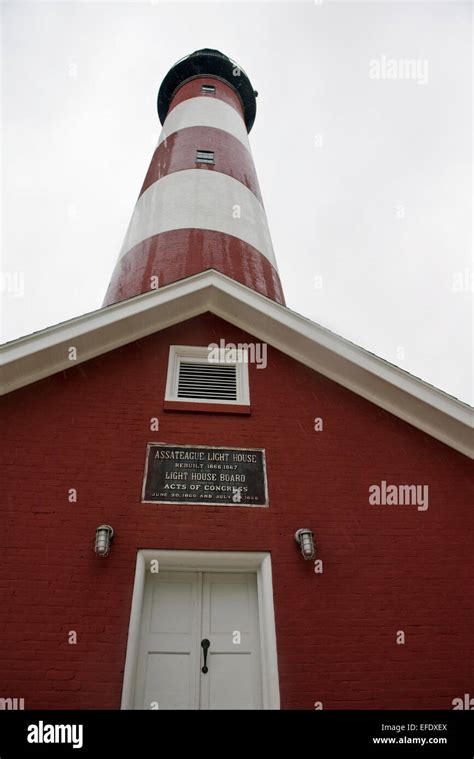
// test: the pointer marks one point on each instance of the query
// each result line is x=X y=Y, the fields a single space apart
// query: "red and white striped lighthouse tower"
x=200 y=206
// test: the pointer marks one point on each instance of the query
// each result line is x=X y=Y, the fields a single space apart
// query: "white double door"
x=180 y=611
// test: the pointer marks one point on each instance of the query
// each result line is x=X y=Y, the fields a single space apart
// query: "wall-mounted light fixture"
x=304 y=538
x=103 y=538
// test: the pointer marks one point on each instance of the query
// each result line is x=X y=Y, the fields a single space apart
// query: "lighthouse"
x=210 y=501
x=200 y=206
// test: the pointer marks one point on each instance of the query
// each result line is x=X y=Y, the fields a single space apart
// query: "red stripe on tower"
x=200 y=206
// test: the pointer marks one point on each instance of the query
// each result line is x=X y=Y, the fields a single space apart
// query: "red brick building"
x=206 y=469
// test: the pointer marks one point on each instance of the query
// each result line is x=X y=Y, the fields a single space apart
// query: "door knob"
x=205 y=643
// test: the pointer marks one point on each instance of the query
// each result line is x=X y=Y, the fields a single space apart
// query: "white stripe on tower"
x=202 y=111
x=193 y=199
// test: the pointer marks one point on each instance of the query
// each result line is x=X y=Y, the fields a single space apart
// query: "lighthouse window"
x=210 y=374
x=209 y=88
x=204 y=156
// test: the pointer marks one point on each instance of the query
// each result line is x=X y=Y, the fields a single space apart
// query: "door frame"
x=208 y=561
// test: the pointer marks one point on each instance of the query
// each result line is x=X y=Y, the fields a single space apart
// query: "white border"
x=208 y=503
x=198 y=354
x=209 y=561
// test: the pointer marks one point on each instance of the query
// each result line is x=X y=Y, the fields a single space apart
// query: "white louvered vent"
x=194 y=377
x=204 y=156
x=207 y=381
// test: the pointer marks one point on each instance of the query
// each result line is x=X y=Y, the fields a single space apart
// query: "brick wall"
x=385 y=568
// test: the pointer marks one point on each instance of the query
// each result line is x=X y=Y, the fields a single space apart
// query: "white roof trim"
x=44 y=353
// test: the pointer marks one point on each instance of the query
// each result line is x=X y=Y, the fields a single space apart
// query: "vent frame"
x=180 y=373
x=205 y=156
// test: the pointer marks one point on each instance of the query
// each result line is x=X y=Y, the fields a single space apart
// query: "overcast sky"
x=364 y=160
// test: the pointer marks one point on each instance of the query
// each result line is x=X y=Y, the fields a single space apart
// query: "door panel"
x=180 y=609
x=230 y=684
x=167 y=681
x=167 y=671
x=230 y=622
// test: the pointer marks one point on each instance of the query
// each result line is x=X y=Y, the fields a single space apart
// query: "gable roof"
x=44 y=353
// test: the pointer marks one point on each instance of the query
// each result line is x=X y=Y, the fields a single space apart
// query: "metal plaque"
x=199 y=474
